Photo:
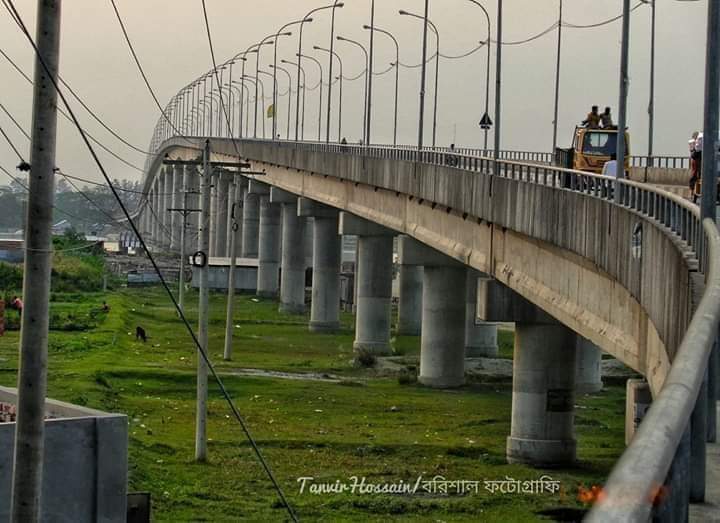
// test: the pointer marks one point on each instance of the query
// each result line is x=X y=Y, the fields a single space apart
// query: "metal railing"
x=645 y=463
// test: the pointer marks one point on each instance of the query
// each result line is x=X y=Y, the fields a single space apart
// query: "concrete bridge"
x=580 y=263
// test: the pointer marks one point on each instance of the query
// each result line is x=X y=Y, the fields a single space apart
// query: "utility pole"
x=421 y=124
x=557 y=79
x=184 y=212
x=624 y=80
x=368 y=119
x=203 y=313
x=498 y=90
x=231 y=276
x=32 y=375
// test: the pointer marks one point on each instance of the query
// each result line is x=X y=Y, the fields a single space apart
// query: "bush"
x=407 y=377
x=11 y=276
x=365 y=358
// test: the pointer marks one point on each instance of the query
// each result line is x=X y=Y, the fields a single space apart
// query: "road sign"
x=486 y=122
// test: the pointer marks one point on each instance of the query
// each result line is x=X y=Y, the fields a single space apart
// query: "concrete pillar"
x=588 y=376
x=410 y=304
x=480 y=337
x=442 y=343
x=166 y=204
x=214 y=213
x=157 y=206
x=240 y=189
x=374 y=283
x=176 y=218
x=442 y=340
x=292 y=281
x=193 y=200
x=251 y=223
x=327 y=258
x=268 y=249
x=223 y=195
x=543 y=399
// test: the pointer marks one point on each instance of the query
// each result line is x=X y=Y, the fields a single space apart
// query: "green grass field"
x=361 y=426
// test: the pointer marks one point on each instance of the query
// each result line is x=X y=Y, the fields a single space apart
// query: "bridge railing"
x=630 y=491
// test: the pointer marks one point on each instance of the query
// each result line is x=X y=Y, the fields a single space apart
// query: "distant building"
x=12 y=250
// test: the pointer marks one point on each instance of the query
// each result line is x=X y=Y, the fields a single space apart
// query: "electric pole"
x=32 y=375
x=231 y=276
x=184 y=212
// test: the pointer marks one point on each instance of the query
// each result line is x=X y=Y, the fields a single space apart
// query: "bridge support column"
x=239 y=198
x=176 y=219
x=193 y=202
x=221 y=208
x=215 y=181
x=374 y=283
x=543 y=401
x=327 y=256
x=269 y=243
x=442 y=341
x=251 y=223
x=155 y=220
x=410 y=304
x=166 y=203
x=480 y=338
x=588 y=377
x=292 y=280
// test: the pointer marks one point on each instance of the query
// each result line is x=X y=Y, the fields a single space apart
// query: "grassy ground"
x=362 y=426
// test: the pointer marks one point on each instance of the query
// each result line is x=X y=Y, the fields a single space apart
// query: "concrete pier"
x=213 y=213
x=292 y=281
x=176 y=202
x=327 y=256
x=223 y=197
x=480 y=337
x=269 y=243
x=251 y=225
x=543 y=399
x=410 y=304
x=166 y=203
x=374 y=283
x=193 y=201
x=588 y=377
x=442 y=341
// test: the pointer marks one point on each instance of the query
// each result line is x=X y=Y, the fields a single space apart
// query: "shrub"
x=365 y=358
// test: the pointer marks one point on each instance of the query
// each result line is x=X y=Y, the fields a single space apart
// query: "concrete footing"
x=442 y=352
x=543 y=396
x=588 y=377
x=374 y=294
x=268 y=249
x=410 y=304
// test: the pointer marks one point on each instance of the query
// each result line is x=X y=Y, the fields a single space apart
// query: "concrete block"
x=259 y=188
x=498 y=303
x=413 y=252
x=311 y=209
x=278 y=195
x=355 y=226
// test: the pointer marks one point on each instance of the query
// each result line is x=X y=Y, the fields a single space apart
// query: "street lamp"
x=274 y=68
x=321 y=92
x=330 y=68
x=367 y=60
x=272 y=77
x=278 y=68
x=299 y=55
x=397 y=73
x=437 y=65
x=257 y=68
x=304 y=88
x=340 y=79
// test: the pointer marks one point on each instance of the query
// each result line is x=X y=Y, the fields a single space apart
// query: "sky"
x=171 y=42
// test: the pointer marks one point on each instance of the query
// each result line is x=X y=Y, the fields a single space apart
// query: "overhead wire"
x=9 y=5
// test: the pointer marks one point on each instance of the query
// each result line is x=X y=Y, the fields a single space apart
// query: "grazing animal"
x=140 y=334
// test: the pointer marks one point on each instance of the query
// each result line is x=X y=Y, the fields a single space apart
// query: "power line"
x=236 y=413
x=12 y=145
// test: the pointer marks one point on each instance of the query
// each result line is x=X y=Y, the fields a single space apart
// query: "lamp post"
x=428 y=22
x=278 y=68
x=257 y=69
x=272 y=77
x=370 y=74
x=330 y=67
x=304 y=87
x=624 y=81
x=651 y=102
x=274 y=68
x=367 y=69
x=317 y=62
x=299 y=62
x=340 y=79
x=498 y=89
x=397 y=73
x=557 y=79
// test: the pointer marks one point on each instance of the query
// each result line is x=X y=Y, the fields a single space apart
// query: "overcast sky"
x=170 y=39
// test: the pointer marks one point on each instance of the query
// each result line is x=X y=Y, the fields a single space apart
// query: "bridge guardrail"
x=643 y=467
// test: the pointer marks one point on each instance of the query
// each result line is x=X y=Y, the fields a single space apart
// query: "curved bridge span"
x=559 y=252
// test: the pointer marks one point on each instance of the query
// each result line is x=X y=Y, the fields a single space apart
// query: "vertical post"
x=557 y=79
x=651 y=105
x=624 y=81
x=370 y=74
x=183 y=250
x=32 y=375
x=231 y=275
x=203 y=313
x=422 y=77
x=498 y=83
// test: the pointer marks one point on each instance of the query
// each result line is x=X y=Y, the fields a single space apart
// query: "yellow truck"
x=591 y=149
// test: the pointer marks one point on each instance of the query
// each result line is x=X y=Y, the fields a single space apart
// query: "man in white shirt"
x=610 y=168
